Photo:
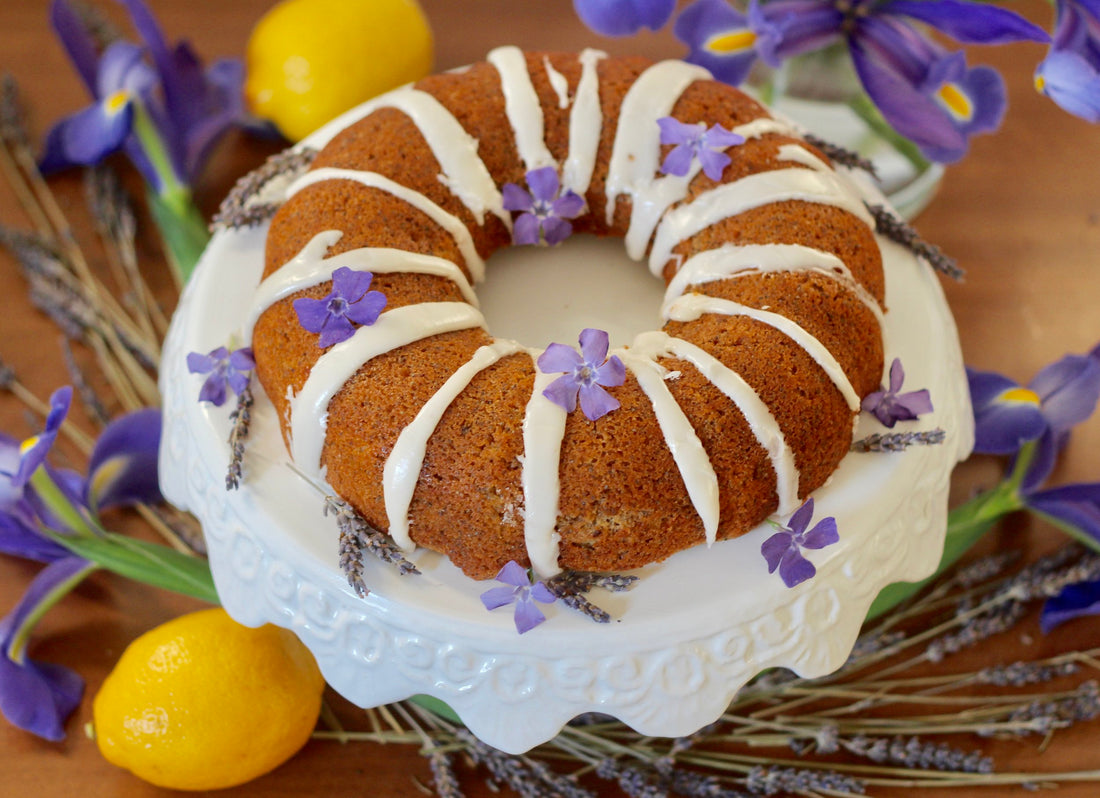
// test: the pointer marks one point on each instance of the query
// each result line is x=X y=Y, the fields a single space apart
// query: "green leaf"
x=183 y=231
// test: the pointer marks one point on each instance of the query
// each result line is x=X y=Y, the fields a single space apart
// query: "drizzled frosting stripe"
x=402 y=467
x=394 y=328
x=691 y=306
x=686 y=448
x=310 y=267
x=464 y=173
x=449 y=222
x=762 y=423
x=521 y=104
x=637 y=146
x=585 y=126
x=732 y=260
x=543 y=430
x=752 y=191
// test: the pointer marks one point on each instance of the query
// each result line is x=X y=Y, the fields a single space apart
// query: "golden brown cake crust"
x=623 y=502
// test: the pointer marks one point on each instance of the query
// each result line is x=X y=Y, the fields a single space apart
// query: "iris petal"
x=706 y=22
x=624 y=17
x=1074 y=601
x=1069 y=389
x=123 y=466
x=971 y=23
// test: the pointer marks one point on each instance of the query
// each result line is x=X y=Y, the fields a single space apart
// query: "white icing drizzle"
x=686 y=448
x=761 y=422
x=637 y=147
x=464 y=173
x=310 y=267
x=394 y=328
x=402 y=468
x=543 y=430
x=691 y=306
x=521 y=104
x=585 y=126
x=557 y=82
x=452 y=224
x=732 y=260
x=752 y=191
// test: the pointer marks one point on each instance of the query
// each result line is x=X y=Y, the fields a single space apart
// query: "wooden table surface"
x=1021 y=213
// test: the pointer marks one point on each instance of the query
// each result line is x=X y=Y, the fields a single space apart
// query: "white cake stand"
x=693 y=630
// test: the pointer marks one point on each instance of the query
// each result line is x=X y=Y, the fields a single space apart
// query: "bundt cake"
x=435 y=431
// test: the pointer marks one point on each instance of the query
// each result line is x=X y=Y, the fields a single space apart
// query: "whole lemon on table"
x=310 y=60
x=202 y=703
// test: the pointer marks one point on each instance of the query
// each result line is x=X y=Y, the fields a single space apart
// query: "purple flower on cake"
x=584 y=374
x=519 y=590
x=889 y=406
x=1070 y=73
x=783 y=549
x=226 y=369
x=719 y=38
x=624 y=17
x=543 y=214
x=350 y=302
x=696 y=142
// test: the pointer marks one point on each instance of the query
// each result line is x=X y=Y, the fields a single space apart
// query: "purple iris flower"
x=350 y=302
x=696 y=142
x=520 y=591
x=624 y=17
x=585 y=374
x=719 y=38
x=1070 y=74
x=225 y=369
x=543 y=213
x=186 y=107
x=783 y=549
x=926 y=93
x=889 y=406
x=39 y=696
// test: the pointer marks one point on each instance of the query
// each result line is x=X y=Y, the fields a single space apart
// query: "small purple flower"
x=544 y=213
x=696 y=142
x=624 y=17
x=351 y=302
x=226 y=369
x=719 y=38
x=782 y=550
x=520 y=591
x=38 y=696
x=1070 y=73
x=584 y=374
x=890 y=407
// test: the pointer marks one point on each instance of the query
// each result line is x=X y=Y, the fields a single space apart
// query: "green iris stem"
x=865 y=109
x=18 y=646
x=148 y=563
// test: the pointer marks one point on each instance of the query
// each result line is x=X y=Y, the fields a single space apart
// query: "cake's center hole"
x=539 y=295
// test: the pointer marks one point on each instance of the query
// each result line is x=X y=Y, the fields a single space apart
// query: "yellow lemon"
x=202 y=703
x=309 y=60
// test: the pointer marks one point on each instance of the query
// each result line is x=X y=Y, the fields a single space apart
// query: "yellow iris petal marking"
x=117 y=101
x=955 y=101
x=1021 y=395
x=730 y=42
x=1040 y=83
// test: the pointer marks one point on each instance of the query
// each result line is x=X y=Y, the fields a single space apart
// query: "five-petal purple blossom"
x=624 y=17
x=225 y=369
x=889 y=406
x=783 y=549
x=519 y=590
x=585 y=374
x=1070 y=73
x=696 y=142
x=543 y=215
x=350 y=302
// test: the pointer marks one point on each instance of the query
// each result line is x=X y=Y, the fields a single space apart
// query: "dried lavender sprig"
x=1021 y=674
x=896 y=229
x=1044 y=717
x=443 y=775
x=997 y=619
x=631 y=778
x=762 y=780
x=242 y=206
x=913 y=752
x=102 y=30
x=898 y=441
x=357 y=537
x=841 y=155
x=529 y=778
x=570 y=586
x=7 y=377
x=241 y=419
x=13 y=117
x=87 y=393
